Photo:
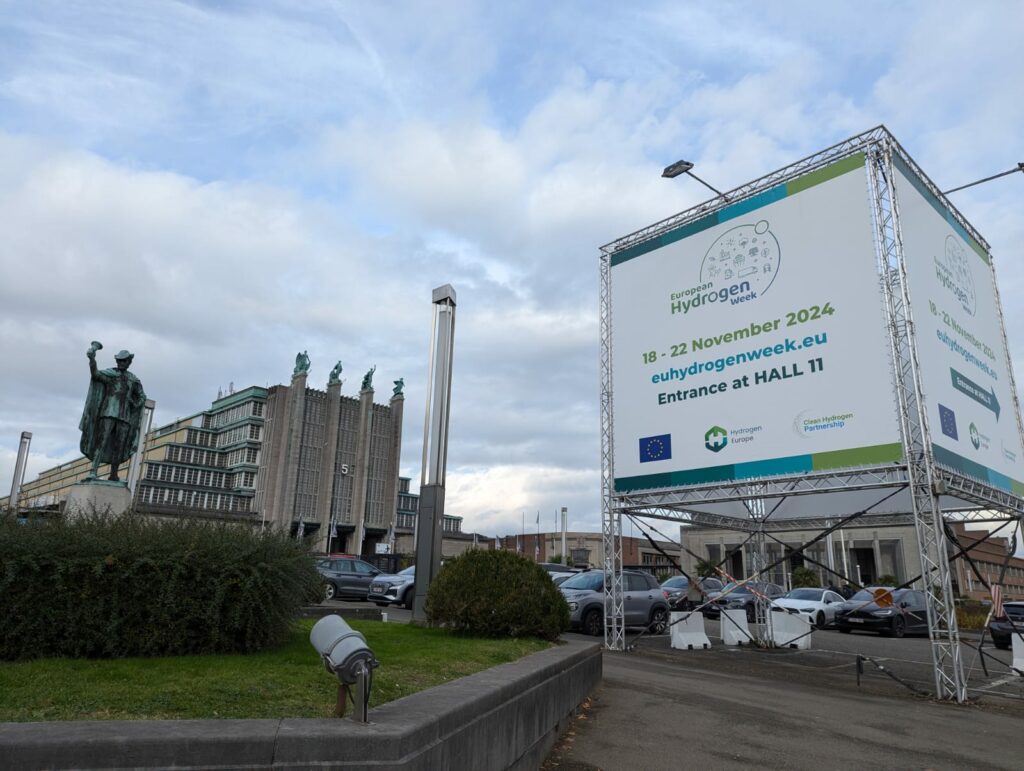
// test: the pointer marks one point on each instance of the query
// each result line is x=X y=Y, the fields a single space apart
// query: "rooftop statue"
x=399 y=385
x=335 y=376
x=301 y=363
x=368 y=378
x=113 y=413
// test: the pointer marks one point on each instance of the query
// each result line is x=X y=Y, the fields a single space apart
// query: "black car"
x=1000 y=629
x=346 y=577
x=737 y=596
x=882 y=609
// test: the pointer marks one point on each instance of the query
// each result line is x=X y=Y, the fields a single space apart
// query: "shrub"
x=497 y=594
x=706 y=568
x=888 y=580
x=100 y=586
x=802 y=577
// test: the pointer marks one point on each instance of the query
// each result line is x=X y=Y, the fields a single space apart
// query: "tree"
x=805 y=577
x=706 y=568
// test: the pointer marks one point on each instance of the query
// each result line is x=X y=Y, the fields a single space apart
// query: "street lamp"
x=1018 y=167
x=685 y=167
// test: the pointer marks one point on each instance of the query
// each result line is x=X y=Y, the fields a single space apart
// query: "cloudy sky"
x=218 y=185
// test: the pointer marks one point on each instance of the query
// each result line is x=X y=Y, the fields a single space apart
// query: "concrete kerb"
x=505 y=717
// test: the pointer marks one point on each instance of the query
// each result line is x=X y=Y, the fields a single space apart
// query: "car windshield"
x=733 y=588
x=676 y=583
x=1014 y=611
x=592 y=582
x=804 y=594
x=867 y=595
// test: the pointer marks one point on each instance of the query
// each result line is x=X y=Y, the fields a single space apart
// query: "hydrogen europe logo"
x=716 y=438
x=953 y=271
x=739 y=266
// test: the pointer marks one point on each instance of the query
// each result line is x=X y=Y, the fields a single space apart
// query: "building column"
x=397 y=405
x=328 y=456
x=288 y=470
x=361 y=472
x=877 y=549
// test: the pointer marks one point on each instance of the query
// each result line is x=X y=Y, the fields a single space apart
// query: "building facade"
x=993 y=558
x=586 y=550
x=329 y=464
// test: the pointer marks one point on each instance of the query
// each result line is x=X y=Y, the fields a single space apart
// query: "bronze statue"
x=335 y=376
x=368 y=378
x=399 y=385
x=113 y=413
x=301 y=363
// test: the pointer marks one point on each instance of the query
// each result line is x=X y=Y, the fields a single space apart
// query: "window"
x=634 y=583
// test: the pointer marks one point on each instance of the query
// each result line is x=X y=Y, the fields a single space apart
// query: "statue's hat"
x=123 y=354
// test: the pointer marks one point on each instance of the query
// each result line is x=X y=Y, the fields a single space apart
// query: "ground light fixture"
x=685 y=167
x=347 y=656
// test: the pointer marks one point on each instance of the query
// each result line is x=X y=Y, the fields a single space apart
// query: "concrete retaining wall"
x=505 y=717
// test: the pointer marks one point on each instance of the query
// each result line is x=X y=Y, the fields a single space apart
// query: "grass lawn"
x=288 y=682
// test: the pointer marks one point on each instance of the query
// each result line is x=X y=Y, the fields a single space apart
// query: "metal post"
x=19 y=471
x=359 y=713
x=429 y=531
x=565 y=554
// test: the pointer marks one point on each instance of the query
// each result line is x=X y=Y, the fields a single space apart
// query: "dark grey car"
x=346 y=577
x=644 y=602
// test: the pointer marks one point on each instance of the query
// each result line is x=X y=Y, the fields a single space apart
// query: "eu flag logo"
x=655 y=448
x=947 y=418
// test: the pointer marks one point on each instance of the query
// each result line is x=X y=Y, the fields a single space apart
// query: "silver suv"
x=397 y=589
x=644 y=601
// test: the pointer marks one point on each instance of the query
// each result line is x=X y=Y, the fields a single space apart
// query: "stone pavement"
x=663 y=709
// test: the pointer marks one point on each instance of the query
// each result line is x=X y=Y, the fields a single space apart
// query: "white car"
x=819 y=604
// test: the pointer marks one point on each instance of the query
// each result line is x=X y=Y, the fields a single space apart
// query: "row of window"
x=243 y=455
x=240 y=434
x=198 y=438
x=183 y=475
x=252 y=409
x=193 y=499
x=177 y=454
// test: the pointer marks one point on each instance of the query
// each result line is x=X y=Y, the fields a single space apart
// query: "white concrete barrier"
x=790 y=630
x=1018 y=650
x=688 y=634
x=735 y=629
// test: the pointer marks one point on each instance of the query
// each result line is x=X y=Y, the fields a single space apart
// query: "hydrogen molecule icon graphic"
x=744 y=253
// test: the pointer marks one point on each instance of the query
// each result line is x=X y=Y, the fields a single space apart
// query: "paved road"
x=670 y=710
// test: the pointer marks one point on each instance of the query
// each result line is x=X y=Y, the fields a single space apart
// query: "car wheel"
x=407 y=600
x=1003 y=646
x=329 y=591
x=899 y=627
x=844 y=629
x=592 y=623
x=750 y=614
x=381 y=604
x=659 y=621
x=819 y=620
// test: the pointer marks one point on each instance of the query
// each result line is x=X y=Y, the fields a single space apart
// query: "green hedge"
x=497 y=594
x=134 y=586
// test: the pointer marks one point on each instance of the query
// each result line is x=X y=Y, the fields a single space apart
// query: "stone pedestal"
x=100 y=496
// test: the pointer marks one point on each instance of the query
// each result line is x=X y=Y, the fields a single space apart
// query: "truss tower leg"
x=611 y=517
x=925 y=483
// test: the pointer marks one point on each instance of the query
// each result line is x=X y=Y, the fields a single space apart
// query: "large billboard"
x=960 y=343
x=752 y=342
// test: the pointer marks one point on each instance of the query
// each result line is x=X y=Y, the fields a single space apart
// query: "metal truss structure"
x=917 y=491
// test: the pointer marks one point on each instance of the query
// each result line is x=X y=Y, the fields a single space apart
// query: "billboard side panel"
x=964 y=364
x=752 y=342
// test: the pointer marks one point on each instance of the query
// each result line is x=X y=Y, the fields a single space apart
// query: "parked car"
x=644 y=602
x=678 y=586
x=884 y=610
x=346 y=577
x=394 y=589
x=558 y=571
x=819 y=604
x=1000 y=629
x=740 y=596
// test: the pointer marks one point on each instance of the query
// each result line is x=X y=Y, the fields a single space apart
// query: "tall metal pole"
x=435 y=448
x=565 y=554
x=19 y=470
